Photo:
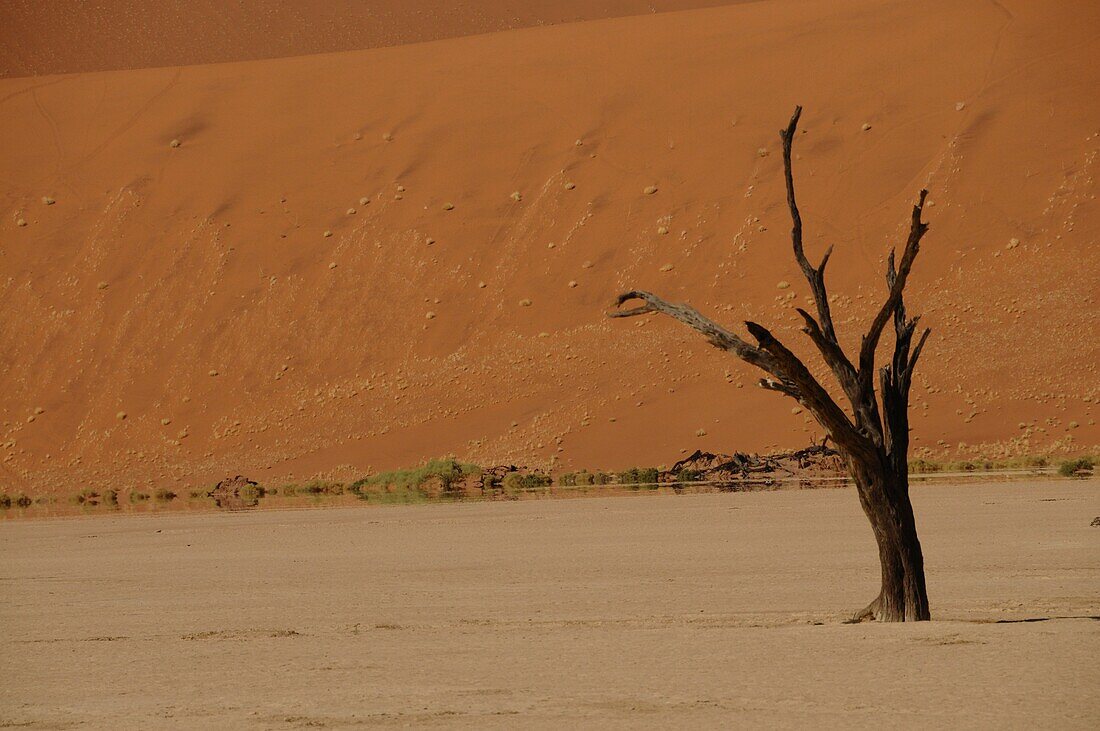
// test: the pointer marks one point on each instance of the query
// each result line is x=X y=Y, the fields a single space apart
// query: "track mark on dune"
x=121 y=129
x=54 y=133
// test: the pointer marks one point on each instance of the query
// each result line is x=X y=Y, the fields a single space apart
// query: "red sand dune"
x=405 y=334
x=67 y=37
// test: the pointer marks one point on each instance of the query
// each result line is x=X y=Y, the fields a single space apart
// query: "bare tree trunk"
x=872 y=437
x=884 y=496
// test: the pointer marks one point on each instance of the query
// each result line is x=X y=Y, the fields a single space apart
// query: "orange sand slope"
x=66 y=37
x=240 y=302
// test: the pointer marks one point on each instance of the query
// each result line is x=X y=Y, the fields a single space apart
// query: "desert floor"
x=653 y=611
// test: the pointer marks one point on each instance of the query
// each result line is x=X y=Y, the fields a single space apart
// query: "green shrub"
x=322 y=487
x=601 y=478
x=110 y=497
x=515 y=482
x=163 y=495
x=23 y=501
x=136 y=496
x=1080 y=467
x=639 y=476
x=405 y=482
x=688 y=475
x=569 y=479
x=5 y=501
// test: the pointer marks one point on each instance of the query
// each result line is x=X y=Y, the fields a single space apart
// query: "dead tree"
x=873 y=434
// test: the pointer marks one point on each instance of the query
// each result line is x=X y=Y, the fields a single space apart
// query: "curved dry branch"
x=896 y=280
x=814 y=277
x=715 y=333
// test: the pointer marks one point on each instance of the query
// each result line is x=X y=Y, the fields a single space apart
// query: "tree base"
x=876 y=612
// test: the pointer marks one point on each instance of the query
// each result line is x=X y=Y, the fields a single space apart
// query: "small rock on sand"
x=667 y=268
x=46 y=200
x=866 y=126
x=762 y=152
x=650 y=189
x=525 y=302
x=959 y=106
x=783 y=285
x=120 y=415
x=174 y=144
x=102 y=285
x=448 y=206
x=20 y=222
x=327 y=234
x=662 y=230
x=430 y=316
x=364 y=201
x=517 y=196
x=570 y=186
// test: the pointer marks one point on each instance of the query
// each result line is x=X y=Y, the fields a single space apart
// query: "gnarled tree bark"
x=873 y=433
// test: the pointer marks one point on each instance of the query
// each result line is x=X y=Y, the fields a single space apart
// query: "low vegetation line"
x=447 y=479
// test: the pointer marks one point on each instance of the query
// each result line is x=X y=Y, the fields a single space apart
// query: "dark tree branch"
x=814 y=277
x=715 y=333
x=897 y=280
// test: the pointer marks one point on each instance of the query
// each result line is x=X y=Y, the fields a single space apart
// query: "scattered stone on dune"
x=572 y=283
x=481 y=285
x=48 y=200
x=174 y=143
x=700 y=432
x=448 y=206
x=783 y=285
x=165 y=422
x=429 y=241
x=327 y=234
x=430 y=316
x=31 y=418
x=762 y=152
x=364 y=201
x=120 y=415
x=102 y=285
x=570 y=185
x=666 y=268
x=39 y=410
x=650 y=189
x=351 y=212
x=662 y=230
x=959 y=106
x=587 y=265
x=796 y=410
x=212 y=372
x=517 y=196
x=400 y=189
x=551 y=245
x=544 y=335
x=579 y=142
x=525 y=302
x=866 y=126
x=20 y=222
x=1013 y=243
x=332 y=265
x=387 y=136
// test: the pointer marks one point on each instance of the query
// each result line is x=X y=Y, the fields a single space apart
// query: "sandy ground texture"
x=331 y=264
x=695 y=611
